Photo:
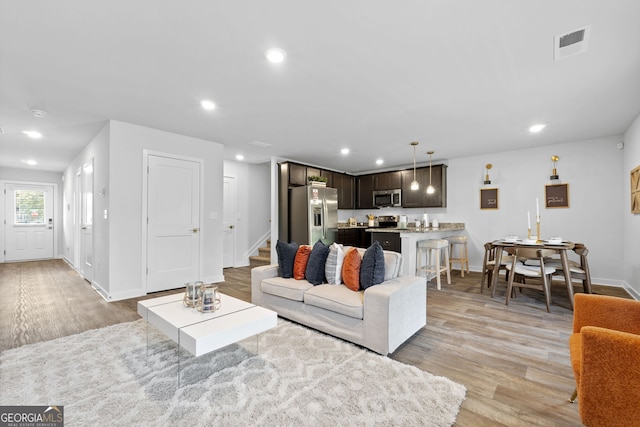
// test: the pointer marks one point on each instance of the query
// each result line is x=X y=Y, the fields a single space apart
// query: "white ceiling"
x=461 y=77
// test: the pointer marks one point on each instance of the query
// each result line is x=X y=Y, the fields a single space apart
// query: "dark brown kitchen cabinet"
x=439 y=181
x=354 y=237
x=387 y=181
x=388 y=241
x=297 y=174
x=346 y=189
x=329 y=176
x=364 y=192
x=419 y=198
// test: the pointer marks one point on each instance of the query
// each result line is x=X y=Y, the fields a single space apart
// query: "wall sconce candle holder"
x=486 y=177
x=554 y=176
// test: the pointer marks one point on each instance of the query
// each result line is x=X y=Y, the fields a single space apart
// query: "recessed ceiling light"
x=379 y=162
x=239 y=157
x=38 y=113
x=537 y=128
x=208 y=105
x=30 y=162
x=345 y=151
x=275 y=55
x=32 y=134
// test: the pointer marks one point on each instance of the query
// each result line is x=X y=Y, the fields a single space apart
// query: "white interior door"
x=86 y=222
x=173 y=222
x=29 y=222
x=229 y=223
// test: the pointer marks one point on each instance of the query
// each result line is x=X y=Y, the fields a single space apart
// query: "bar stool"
x=463 y=253
x=433 y=248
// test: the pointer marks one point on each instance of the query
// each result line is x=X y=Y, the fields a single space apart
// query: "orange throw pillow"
x=351 y=269
x=300 y=261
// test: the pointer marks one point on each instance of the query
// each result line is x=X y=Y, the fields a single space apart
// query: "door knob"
x=231 y=226
x=195 y=230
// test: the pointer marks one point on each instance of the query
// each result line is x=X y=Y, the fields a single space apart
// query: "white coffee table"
x=201 y=333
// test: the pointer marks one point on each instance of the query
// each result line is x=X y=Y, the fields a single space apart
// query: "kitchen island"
x=388 y=238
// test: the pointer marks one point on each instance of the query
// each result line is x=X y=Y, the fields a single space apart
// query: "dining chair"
x=519 y=269
x=489 y=264
x=579 y=270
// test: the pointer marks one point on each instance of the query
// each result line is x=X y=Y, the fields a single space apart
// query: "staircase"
x=263 y=258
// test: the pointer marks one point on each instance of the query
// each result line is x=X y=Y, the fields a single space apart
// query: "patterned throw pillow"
x=286 y=255
x=372 y=267
x=315 y=266
x=351 y=269
x=333 y=266
x=300 y=262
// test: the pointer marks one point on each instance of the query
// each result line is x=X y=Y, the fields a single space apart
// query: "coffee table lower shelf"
x=201 y=333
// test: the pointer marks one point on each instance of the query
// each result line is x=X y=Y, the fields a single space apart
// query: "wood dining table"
x=561 y=248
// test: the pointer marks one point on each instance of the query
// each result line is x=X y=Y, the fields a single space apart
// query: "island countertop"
x=410 y=236
x=446 y=226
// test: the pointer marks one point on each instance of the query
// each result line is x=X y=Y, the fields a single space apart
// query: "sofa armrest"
x=258 y=274
x=393 y=311
x=606 y=312
x=609 y=383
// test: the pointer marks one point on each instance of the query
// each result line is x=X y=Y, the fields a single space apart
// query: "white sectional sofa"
x=380 y=318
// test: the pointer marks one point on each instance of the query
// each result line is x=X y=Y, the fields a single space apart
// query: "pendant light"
x=414 y=184
x=430 y=189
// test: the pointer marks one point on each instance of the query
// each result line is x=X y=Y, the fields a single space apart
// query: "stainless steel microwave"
x=387 y=198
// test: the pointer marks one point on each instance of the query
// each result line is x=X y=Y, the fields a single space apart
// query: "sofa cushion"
x=372 y=267
x=351 y=269
x=315 y=266
x=336 y=298
x=286 y=288
x=333 y=265
x=392 y=263
x=286 y=255
x=300 y=262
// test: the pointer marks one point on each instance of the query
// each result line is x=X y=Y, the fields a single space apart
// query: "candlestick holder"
x=529 y=233
x=538 y=230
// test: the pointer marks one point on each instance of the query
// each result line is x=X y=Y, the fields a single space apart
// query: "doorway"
x=229 y=223
x=173 y=247
x=29 y=221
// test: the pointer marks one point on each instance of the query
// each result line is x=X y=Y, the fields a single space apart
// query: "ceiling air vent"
x=571 y=43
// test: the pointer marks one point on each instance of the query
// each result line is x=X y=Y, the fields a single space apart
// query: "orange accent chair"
x=605 y=356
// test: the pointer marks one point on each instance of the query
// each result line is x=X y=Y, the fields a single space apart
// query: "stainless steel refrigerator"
x=313 y=214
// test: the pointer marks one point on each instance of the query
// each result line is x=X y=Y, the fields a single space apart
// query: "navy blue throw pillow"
x=286 y=255
x=372 y=266
x=315 y=265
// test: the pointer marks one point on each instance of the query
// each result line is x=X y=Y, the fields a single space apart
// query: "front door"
x=29 y=222
x=173 y=222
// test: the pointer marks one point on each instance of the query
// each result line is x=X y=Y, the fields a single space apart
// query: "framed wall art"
x=557 y=195
x=635 y=191
x=488 y=198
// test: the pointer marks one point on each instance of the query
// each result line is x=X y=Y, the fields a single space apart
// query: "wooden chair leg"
x=572 y=399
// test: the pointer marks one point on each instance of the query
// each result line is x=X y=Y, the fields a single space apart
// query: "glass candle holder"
x=192 y=294
x=209 y=298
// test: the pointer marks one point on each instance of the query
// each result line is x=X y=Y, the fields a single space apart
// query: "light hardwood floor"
x=513 y=360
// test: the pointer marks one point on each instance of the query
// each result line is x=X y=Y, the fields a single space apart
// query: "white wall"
x=125 y=213
x=117 y=151
x=253 y=207
x=591 y=168
x=631 y=222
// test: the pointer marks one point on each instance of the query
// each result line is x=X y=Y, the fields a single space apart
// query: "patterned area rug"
x=299 y=377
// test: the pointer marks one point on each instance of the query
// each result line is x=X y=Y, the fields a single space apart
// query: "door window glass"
x=29 y=206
